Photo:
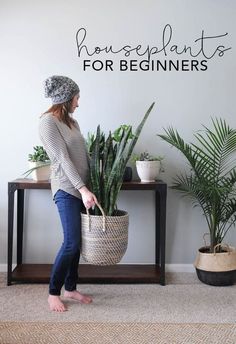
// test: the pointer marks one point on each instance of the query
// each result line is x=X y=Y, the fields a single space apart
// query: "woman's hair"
x=61 y=111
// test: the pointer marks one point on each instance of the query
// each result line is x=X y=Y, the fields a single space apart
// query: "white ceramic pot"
x=148 y=170
x=42 y=172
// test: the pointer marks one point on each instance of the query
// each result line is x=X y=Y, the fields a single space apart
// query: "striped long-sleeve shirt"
x=67 y=151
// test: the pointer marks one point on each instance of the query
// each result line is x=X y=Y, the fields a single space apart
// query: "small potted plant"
x=39 y=164
x=210 y=183
x=148 y=166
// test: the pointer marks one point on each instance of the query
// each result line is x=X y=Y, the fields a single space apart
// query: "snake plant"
x=211 y=182
x=109 y=157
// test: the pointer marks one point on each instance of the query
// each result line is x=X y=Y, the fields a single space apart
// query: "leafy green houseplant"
x=105 y=230
x=39 y=164
x=210 y=183
x=116 y=137
x=148 y=166
x=39 y=154
x=109 y=157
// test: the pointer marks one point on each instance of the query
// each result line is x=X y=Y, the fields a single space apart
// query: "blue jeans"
x=65 y=268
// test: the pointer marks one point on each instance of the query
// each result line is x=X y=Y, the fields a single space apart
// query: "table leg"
x=162 y=209
x=11 y=194
x=20 y=221
x=157 y=228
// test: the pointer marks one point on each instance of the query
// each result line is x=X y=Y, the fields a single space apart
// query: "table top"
x=27 y=183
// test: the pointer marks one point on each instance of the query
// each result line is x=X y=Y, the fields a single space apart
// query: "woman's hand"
x=88 y=198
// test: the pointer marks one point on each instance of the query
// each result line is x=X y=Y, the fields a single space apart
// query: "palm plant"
x=109 y=157
x=211 y=181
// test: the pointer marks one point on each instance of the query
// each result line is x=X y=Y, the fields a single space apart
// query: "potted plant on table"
x=148 y=166
x=105 y=230
x=39 y=164
x=210 y=184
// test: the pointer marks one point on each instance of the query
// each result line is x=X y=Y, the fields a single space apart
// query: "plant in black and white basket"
x=211 y=184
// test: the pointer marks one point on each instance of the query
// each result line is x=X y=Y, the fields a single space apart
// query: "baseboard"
x=180 y=268
x=3 y=267
x=169 y=268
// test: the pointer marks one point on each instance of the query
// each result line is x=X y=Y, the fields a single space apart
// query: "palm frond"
x=211 y=181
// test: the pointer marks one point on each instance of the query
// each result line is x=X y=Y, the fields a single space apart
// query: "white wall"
x=37 y=39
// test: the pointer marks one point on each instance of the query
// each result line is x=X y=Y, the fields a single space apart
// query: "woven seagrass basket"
x=104 y=238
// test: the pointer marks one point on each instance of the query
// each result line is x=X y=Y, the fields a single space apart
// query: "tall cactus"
x=108 y=162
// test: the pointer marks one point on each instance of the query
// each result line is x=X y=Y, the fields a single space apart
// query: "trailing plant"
x=210 y=183
x=109 y=157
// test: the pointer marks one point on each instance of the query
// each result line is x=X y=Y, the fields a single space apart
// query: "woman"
x=65 y=146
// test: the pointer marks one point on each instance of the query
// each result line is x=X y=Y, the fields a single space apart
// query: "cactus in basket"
x=109 y=157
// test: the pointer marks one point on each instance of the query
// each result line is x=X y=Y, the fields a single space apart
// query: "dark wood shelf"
x=27 y=183
x=121 y=273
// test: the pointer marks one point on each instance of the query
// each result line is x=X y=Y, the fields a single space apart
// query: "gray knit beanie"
x=60 y=89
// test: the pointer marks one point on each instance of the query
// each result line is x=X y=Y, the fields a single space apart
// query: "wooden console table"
x=40 y=273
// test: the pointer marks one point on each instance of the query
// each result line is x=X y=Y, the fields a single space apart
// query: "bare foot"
x=77 y=296
x=56 y=304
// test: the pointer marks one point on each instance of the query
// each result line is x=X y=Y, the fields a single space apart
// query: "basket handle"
x=221 y=244
x=103 y=217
